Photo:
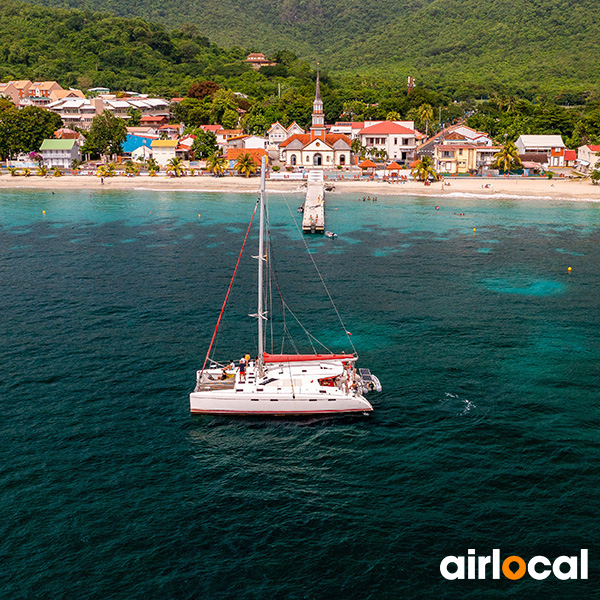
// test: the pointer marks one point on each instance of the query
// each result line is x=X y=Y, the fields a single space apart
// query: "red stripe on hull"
x=278 y=414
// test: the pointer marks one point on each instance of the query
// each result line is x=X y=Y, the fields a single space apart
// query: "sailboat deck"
x=211 y=386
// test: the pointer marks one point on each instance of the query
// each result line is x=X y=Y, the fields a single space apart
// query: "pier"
x=313 y=220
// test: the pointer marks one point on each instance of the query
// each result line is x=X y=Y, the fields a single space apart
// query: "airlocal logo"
x=514 y=567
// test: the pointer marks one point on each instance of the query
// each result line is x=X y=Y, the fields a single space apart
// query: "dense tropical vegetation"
x=23 y=131
x=537 y=46
x=86 y=49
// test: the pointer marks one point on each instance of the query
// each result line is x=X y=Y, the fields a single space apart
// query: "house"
x=587 y=158
x=350 y=129
x=277 y=133
x=22 y=86
x=170 y=131
x=398 y=140
x=257 y=60
x=60 y=153
x=62 y=94
x=133 y=142
x=459 y=133
x=212 y=128
x=64 y=133
x=155 y=120
x=256 y=153
x=43 y=89
x=224 y=135
x=143 y=153
x=147 y=131
x=550 y=147
x=163 y=151
x=570 y=158
x=184 y=146
x=247 y=141
x=10 y=90
x=96 y=91
x=78 y=112
x=317 y=148
x=462 y=158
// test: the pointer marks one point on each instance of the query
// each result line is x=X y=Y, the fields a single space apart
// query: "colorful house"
x=60 y=153
x=163 y=151
x=587 y=158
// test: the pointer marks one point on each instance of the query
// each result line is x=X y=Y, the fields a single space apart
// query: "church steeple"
x=318 y=118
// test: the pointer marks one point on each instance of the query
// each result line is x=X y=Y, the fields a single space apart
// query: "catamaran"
x=280 y=384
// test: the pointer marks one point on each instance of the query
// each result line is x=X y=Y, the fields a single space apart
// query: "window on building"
x=395 y=141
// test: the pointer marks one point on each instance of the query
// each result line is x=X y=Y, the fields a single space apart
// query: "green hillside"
x=538 y=46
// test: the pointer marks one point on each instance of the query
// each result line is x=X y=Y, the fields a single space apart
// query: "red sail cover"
x=278 y=358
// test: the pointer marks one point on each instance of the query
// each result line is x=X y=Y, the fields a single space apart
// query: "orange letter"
x=519 y=572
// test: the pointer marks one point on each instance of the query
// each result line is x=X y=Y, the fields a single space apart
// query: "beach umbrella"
x=367 y=164
x=394 y=167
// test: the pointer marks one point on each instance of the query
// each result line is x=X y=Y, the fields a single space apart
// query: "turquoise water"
x=486 y=435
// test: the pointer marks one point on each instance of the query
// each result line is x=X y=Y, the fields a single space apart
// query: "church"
x=317 y=148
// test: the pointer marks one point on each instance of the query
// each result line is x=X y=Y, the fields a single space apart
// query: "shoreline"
x=500 y=188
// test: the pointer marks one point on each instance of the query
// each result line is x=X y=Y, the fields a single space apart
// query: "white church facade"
x=317 y=148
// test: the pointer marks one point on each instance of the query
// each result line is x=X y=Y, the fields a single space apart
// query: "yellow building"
x=463 y=158
x=163 y=151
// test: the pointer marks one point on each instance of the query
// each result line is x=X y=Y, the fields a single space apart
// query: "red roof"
x=307 y=138
x=256 y=153
x=212 y=128
x=570 y=155
x=594 y=148
x=367 y=164
x=386 y=127
x=393 y=166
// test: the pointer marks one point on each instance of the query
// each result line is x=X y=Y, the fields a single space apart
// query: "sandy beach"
x=510 y=187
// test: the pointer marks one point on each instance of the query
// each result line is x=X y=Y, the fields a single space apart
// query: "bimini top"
x=278 y=358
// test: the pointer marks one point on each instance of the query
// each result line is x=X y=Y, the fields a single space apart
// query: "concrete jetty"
x=313 y=220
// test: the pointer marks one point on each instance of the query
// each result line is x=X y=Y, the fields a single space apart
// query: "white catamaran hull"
x=281 y=406
x=308 y=388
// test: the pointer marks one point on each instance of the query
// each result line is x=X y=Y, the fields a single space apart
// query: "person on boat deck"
x=232 y=365
x=242 y=366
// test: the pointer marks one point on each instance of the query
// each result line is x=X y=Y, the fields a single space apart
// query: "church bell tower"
x=318 y=118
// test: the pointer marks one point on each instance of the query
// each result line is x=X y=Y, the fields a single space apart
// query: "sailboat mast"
x=261 y=253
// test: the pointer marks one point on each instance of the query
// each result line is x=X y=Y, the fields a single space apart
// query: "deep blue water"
x=486 y=435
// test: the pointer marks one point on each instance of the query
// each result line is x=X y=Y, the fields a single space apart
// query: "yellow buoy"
x=198 y=216
x=43 y=212
x=570 y=269
x=474 y=229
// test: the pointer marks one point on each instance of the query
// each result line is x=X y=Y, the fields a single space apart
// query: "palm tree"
x=131 y=168
x=111 y=170
x=382 y=155
x=424 y=169
x=153 y=167
x=13 y=171
x=357 y=148
x=175 y=166
x=56 y=172
x=507 y=157
x=393 y=116
x=42 y=171
x=245 y=165
x=26 y=172
x=425 y=113
x=216 y=164
x=102 y=171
